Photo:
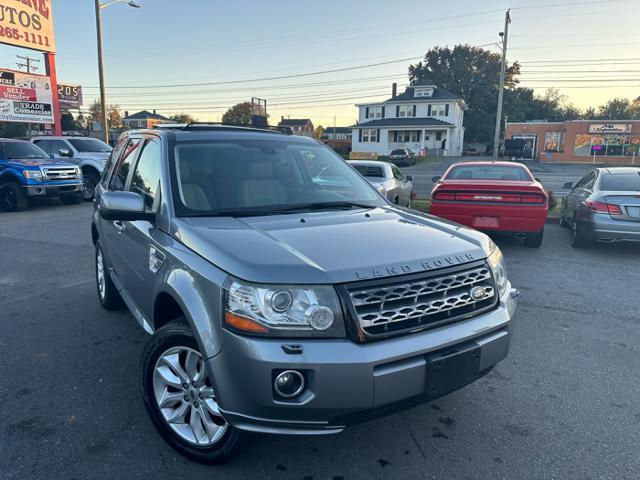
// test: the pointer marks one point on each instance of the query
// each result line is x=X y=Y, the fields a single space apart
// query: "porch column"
x=446 y=144
x=423 y=142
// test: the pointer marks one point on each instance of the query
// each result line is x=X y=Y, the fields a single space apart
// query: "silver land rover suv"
x=282 y=292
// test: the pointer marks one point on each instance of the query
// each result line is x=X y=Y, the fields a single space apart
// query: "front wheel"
x=534 y=240
x=12 y=197
x=180 y=399
x=90 y=181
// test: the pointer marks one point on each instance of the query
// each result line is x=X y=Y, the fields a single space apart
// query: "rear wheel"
x=12 y=197
x=534 y=240
x=108 y=294
x=578 y=238
x=179 y=396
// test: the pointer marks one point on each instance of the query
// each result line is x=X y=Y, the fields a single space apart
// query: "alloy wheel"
x=100 y=274
x=185 y=398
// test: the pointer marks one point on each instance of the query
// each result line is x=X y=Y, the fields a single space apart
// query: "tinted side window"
x=121 y=172
x=147 y=173
x=397 y=173
x=44 y=144
x=587 y=181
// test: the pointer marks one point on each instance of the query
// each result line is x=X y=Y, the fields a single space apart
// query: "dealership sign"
x=27 y=24
x=610 y=128
x=69 y=96
x=25 y=97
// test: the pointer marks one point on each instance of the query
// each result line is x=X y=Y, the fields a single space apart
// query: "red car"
x=494 y=197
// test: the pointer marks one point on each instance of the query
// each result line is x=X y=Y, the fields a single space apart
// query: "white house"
x=423 y=118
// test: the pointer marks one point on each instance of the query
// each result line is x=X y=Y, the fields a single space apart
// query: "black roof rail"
x=194 y=126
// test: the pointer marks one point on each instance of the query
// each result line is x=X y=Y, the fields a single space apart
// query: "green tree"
x=239 y=114
x=473 y=73
x=619 y=109
x=318 y=131
x=182 y=118
x=113 y=114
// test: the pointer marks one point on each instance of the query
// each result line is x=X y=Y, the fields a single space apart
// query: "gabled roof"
x=145 y=114
x=438 y=94
x=338 y=130
x=404 y=122
x=288 y=122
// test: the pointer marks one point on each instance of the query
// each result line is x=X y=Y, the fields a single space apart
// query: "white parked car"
x=90 y=154
x=388 y=180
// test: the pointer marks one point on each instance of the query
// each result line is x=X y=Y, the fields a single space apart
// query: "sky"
x=203 y=56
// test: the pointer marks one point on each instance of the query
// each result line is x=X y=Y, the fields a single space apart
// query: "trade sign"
x=610 y=128
x=25 y=97
x=27 y=24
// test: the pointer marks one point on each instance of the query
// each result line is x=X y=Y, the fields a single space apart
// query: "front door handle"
x=119 y=226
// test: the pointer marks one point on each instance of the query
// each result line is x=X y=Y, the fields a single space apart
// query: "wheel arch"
x=90 y=167
x=179 y=296
x=9 y=176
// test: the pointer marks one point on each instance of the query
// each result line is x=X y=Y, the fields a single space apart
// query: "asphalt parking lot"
x=552 y=175
x=564 y=404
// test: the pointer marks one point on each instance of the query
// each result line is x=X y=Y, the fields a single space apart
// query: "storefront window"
x=552 y=141
x=587 y=145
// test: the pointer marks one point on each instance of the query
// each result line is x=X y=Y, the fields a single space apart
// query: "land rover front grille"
x=60 y=173
x=423 y=302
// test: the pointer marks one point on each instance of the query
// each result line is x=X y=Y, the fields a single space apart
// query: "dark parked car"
x=402 y=157
x=604 y=206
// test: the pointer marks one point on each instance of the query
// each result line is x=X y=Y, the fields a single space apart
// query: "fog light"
x=289 y=383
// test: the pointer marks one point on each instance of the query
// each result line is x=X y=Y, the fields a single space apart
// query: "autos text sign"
x=25 y=97
x=610 y=128
x=27 y=23
x=69 y=96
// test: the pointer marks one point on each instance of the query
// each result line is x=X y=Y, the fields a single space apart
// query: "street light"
x=103 y=96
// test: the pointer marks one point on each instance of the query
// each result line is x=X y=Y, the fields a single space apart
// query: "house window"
x=369 y=135
x=405 y=136
x=405 y=111
x=438 y=135
x=374 y=112
x=552 y=141
x=438 y=110
x=423 y=92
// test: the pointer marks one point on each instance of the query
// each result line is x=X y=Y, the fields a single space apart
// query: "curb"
x=555 y=220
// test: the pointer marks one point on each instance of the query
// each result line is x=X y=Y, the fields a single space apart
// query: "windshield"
x=20 y=150
x=254 y=177
x=89 y=145
x=488 y=172
x=397 y=152
x=369 y=171
x=621 y=182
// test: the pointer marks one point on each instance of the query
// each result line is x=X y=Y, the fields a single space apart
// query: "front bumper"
x=346 y=380
x=47 y=190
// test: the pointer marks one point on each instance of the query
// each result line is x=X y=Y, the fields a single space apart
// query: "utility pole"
x=503 y=71
x=103 y=95
x=28 y=61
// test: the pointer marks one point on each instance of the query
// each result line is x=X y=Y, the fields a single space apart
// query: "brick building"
x=580 y=141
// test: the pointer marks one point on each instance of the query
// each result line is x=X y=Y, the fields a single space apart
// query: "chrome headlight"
x=498 y=267
x=32 y=175
x=283 y=310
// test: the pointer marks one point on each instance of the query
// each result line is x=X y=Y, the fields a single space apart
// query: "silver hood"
x=329 y=247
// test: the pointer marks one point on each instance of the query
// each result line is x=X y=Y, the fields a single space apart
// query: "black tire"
x=12 y=197
x=110 y=299
x=71 y=199
x=563 y=222
x=534 y=240
x=578 y=238
x=178 y=334
x=90 y=180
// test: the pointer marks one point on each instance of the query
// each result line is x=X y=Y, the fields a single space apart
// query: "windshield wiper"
x=323 y=206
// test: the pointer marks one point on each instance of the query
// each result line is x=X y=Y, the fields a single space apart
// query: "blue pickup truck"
x=27 y=171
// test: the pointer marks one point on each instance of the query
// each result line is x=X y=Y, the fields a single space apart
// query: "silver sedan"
x=388 y=180
x=604 y=206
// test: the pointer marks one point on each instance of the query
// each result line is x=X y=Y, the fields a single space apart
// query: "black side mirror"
x=537 y=179
x=124 y=206
x=409 y=178
x=436 y=178
x=568 y=186
x=65 y=152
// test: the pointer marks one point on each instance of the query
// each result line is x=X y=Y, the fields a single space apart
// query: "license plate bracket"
x=447 y=371
x=633 y=212
x=486 y=222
